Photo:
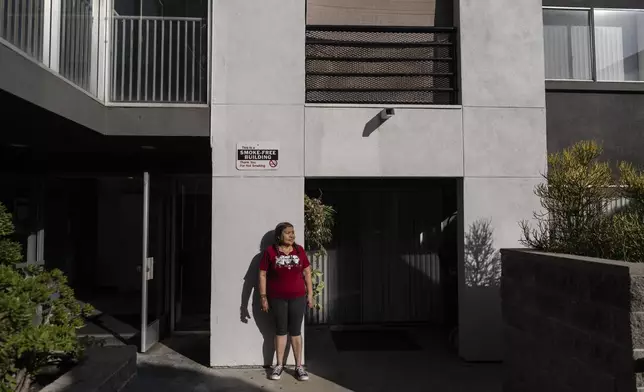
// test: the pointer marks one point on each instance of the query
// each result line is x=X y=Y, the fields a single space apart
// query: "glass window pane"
x=567 y=44
x=619 y=43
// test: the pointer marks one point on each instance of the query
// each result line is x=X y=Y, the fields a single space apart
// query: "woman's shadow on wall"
x=250 y=296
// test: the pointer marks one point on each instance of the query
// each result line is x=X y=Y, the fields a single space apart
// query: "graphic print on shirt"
x=289 y=261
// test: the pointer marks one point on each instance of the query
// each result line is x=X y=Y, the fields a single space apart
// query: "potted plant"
x=319 y=221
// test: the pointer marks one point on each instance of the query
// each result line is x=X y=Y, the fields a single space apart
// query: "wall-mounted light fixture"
x=387 y=113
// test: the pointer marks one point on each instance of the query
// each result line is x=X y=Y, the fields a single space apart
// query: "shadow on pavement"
x=435 y=367
x=169 y=378
x=192 y=346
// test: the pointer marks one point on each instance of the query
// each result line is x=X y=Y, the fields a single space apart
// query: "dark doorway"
x=393 y=258
x=77 y=197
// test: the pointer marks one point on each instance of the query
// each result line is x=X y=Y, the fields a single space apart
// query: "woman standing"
x=285 y=288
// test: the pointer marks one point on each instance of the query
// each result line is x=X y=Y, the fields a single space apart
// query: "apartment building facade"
x=487 y=130
x=599 y=96
x=159 y=143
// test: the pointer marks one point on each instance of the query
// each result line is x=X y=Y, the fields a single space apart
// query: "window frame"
x=594 y=84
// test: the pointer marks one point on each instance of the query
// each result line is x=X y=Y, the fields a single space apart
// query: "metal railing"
x=374 y=64
x=115 y=58
x=76 y=27
x=21 y=24
x=159 y=60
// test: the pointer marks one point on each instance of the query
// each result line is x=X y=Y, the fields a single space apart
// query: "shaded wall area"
x=391 y=253
x=614 y=119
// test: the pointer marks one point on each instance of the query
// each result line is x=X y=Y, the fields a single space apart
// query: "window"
x=567 y=44
x=619 y=43
x=594 y=44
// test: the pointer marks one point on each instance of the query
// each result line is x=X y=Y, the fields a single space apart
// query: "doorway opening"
x=390 y=272
x=393 y=255
x=136 y=247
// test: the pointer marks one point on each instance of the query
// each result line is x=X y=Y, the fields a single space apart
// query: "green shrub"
x=318 y=225
x=577 y=189
x=39 y=316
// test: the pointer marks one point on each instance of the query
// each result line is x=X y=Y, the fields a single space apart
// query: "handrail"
x=171 y=18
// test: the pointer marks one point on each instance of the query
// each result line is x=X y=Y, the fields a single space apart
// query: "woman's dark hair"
x=279 y=230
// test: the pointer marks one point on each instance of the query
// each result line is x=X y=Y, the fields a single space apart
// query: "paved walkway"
x=165 y=370
x=433 y=369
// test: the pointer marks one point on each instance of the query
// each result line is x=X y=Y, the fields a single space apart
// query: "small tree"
x=628 y=224
x=576 y=188
x=574 y=198
x=319 y=221
x=39 y=316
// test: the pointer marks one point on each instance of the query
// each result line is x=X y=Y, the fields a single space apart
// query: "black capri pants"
x=288 y=314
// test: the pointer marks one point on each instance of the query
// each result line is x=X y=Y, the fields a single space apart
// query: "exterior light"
x=387 y=113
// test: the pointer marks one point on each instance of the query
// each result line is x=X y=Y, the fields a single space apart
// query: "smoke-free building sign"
x=258 y=156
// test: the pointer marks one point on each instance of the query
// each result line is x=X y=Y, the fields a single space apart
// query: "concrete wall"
x=32 y=82
x=571 y=323
x=252 y=103
x=614 y=119
x=354 y=142
x=504 y=145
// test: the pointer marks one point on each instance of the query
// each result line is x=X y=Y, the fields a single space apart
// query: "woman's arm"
x=309 y=285
x=262 y=290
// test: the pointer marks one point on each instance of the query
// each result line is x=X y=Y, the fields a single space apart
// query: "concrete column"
x=257 y=95
x=504 y=146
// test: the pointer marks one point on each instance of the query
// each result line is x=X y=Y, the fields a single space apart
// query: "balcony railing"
x=76 y=27
x=130 y=59
x=158 y=59
x=21 y=24
x=373 y=65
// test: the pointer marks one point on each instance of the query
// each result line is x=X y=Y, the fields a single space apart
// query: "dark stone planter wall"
x=571 y=324
x=104 y=369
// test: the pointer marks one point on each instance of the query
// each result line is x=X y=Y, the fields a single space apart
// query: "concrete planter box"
x=572 y=323
x=104 y=369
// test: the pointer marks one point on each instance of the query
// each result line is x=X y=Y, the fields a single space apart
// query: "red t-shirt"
x=284 y=273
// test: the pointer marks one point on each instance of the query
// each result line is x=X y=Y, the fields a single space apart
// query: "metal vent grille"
x=363 y=64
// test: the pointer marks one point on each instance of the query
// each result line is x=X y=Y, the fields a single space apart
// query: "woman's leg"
x=279 y=308
x=280 y=348
x=296 y=310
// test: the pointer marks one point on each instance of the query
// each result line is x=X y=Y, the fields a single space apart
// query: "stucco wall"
x=257 y=95
x=504 y=144
x=353 y=142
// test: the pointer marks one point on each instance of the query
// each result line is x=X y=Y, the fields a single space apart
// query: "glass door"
x=156 y=259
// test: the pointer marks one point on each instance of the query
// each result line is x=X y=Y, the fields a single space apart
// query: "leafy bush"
x=39 y=316
x=318 y=225
x=575 y=219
